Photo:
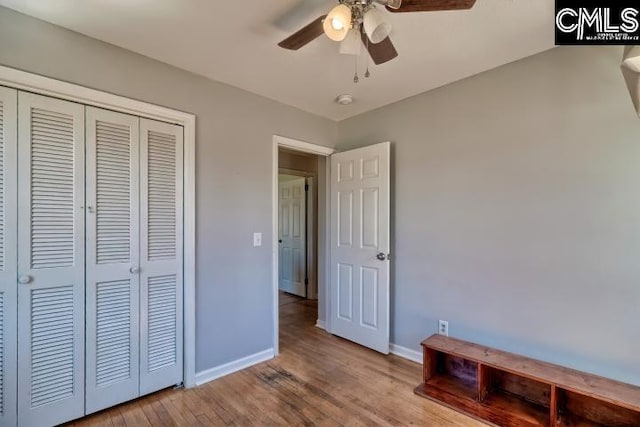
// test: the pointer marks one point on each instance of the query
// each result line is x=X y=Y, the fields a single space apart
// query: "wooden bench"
x=506 y=389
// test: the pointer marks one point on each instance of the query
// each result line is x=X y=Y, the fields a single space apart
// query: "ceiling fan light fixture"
x=375 y=25
x=352 y=44
x=338 y=23
x=631 y=72
x=392 y=4
x=631 y=58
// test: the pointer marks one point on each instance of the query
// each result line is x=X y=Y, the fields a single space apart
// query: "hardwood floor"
x=318 y=379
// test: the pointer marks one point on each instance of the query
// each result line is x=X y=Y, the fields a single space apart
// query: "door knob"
x=134 y=270
x=25 y=280
x=381 y=256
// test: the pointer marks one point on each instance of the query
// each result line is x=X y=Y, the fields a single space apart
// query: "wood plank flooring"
x=318 y=379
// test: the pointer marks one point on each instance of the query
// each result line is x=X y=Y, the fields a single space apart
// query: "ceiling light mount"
x=344 y=99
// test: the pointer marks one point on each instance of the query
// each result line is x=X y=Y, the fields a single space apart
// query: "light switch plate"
x=257 y=239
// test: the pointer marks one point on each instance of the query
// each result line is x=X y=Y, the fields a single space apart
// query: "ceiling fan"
x=357 y=22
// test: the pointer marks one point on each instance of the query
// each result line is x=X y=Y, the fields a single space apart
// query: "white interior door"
x=293 y=225
x=8 y=256
x=161 y=185
x=360 y=200
x=51 y=262
x=112 y=284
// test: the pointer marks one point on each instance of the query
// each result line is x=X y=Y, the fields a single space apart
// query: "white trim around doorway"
x=323 y=256
x=35 y=83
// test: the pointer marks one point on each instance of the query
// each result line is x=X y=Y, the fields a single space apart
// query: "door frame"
x=322 y=264
x=22 y=80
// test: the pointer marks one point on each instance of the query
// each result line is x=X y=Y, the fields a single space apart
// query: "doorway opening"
x=297 y=229
x=300 y=184
x=353 y=238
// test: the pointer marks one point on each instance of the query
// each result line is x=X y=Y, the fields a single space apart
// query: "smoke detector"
x=345 y=99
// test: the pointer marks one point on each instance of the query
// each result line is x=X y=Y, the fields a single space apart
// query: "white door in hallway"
x=359 y=260
x=292 y=226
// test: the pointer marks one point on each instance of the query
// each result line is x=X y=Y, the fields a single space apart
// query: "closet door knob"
x=134 y=270
x=25 y=280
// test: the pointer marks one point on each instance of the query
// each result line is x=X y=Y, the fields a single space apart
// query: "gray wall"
x=517 y=210
x=234 y=140
x=516 y=205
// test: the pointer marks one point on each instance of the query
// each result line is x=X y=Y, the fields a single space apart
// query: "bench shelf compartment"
x=507 y=390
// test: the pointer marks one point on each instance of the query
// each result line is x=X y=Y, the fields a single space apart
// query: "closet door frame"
x=9 y=265
x=22 y=80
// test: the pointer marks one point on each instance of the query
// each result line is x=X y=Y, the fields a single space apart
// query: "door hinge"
x=306 y=280
x=306 y=187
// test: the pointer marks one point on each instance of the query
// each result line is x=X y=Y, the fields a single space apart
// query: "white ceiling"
x=235 y=42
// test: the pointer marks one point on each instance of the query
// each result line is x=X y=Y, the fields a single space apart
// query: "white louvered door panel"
x=161 y=178
x=8 y=256
x=112 y=259
x=51 y=262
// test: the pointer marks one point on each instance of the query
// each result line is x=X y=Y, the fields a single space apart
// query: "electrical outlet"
x=443 y=327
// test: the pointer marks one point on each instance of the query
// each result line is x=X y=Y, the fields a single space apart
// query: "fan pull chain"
x=367 y=74
x=356 y=79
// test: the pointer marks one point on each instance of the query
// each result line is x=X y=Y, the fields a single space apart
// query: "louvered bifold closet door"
x=8 y=256
x=51 y=237
x=112 y=259
x=161 y=255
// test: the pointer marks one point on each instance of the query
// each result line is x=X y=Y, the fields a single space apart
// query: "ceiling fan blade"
x=381 y=52
x=432 y=5
x=301 y=11
x=304 y=36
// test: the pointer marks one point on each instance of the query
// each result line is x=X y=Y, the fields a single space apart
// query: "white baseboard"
x=321 y=324
x=234 y=366
x=406 y=353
